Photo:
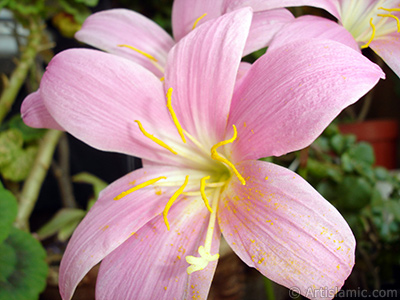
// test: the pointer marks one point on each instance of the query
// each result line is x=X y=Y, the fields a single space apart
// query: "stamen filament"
x=139 y=51
x=139 y=186
x=197 y=20
x=203 y=193
x=394 y=17
x=173 y=115
x=154 y=139
x=389 y=9
x=372 y=35
x=216 y=156
x=196 y=142
x=172 y=200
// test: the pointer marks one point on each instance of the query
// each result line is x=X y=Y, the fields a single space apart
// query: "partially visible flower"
x=200 y=133
x=371 y=23
x=132 y=35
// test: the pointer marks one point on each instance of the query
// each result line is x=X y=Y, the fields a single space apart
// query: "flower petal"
x=264 y=26
x=202 y=69
x=331 y=6
x=278 y=224
x=388 y=48
x=35 y=114
x=97 y=96
x=151 y=264
x=186 y=12
x=292 y=93
x=108 y=29
x=110 y=223
x=306 y=27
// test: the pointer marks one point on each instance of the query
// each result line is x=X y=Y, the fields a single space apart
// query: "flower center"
x=365 y=25
x=219 y=173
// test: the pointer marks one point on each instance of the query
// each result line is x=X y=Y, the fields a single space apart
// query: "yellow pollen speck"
x=339 y=248
x=244 y=124
x=104 y=227
x=253 y=241
x=266 y=177
x=178 y=257
x=338 y=267
x=261 y=260
x=165 y=288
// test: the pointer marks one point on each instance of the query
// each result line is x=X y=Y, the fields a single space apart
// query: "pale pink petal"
x=332 y=6
x=151 y=264
x=306 y=27
x=278 y=224
x=97 y=97
x=292 y=93
x=264 y=26
x=186 y=12
x=388 y=48
x=202 y=70
x=111 y=222
x=108 y=29
x=35 y=114
x=243 y=68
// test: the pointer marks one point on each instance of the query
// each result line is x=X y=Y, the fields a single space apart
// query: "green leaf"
x=354 y=193
x=78 y=10
x=8 y=212
x=88 y=2
x=29 y=134
x=11 y=142
x=19 y=168
x=68 y=230
x=338 y=142
x=64 y=217
x=23 y=269
x=362 y=152
x=27 y=7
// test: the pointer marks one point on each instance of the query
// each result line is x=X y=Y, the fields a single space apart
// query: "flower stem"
x=19 y=74
x=32 y=185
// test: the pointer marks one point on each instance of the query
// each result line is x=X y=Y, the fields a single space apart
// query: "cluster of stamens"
x=388 y=15
x=204 y=251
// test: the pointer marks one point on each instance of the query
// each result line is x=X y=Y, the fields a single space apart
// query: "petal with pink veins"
x=202 y=70
x=110 y=222
x=186 y=12
x=35 y=114
x=97 y=97
x=108 y=29
x=306 y=27
x=264 y=26
x=160 y=255
x=292 y=93
x=278 y=224
x=388 y=48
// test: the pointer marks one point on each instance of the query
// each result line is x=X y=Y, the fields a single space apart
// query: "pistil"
x=200 y=263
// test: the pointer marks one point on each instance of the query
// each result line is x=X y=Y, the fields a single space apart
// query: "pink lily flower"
x=119 y=31
x=363 y=24
x=157 y=230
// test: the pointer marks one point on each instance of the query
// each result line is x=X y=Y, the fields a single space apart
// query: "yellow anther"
x=197 y=20
x=389 y=9
x=372 y=35
x=139 y=51
x=394 y=17
x=154 y=139
x=172 y=200
x=173 y=115
x=216 y=156
x=203 y=193
x=139 y=186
